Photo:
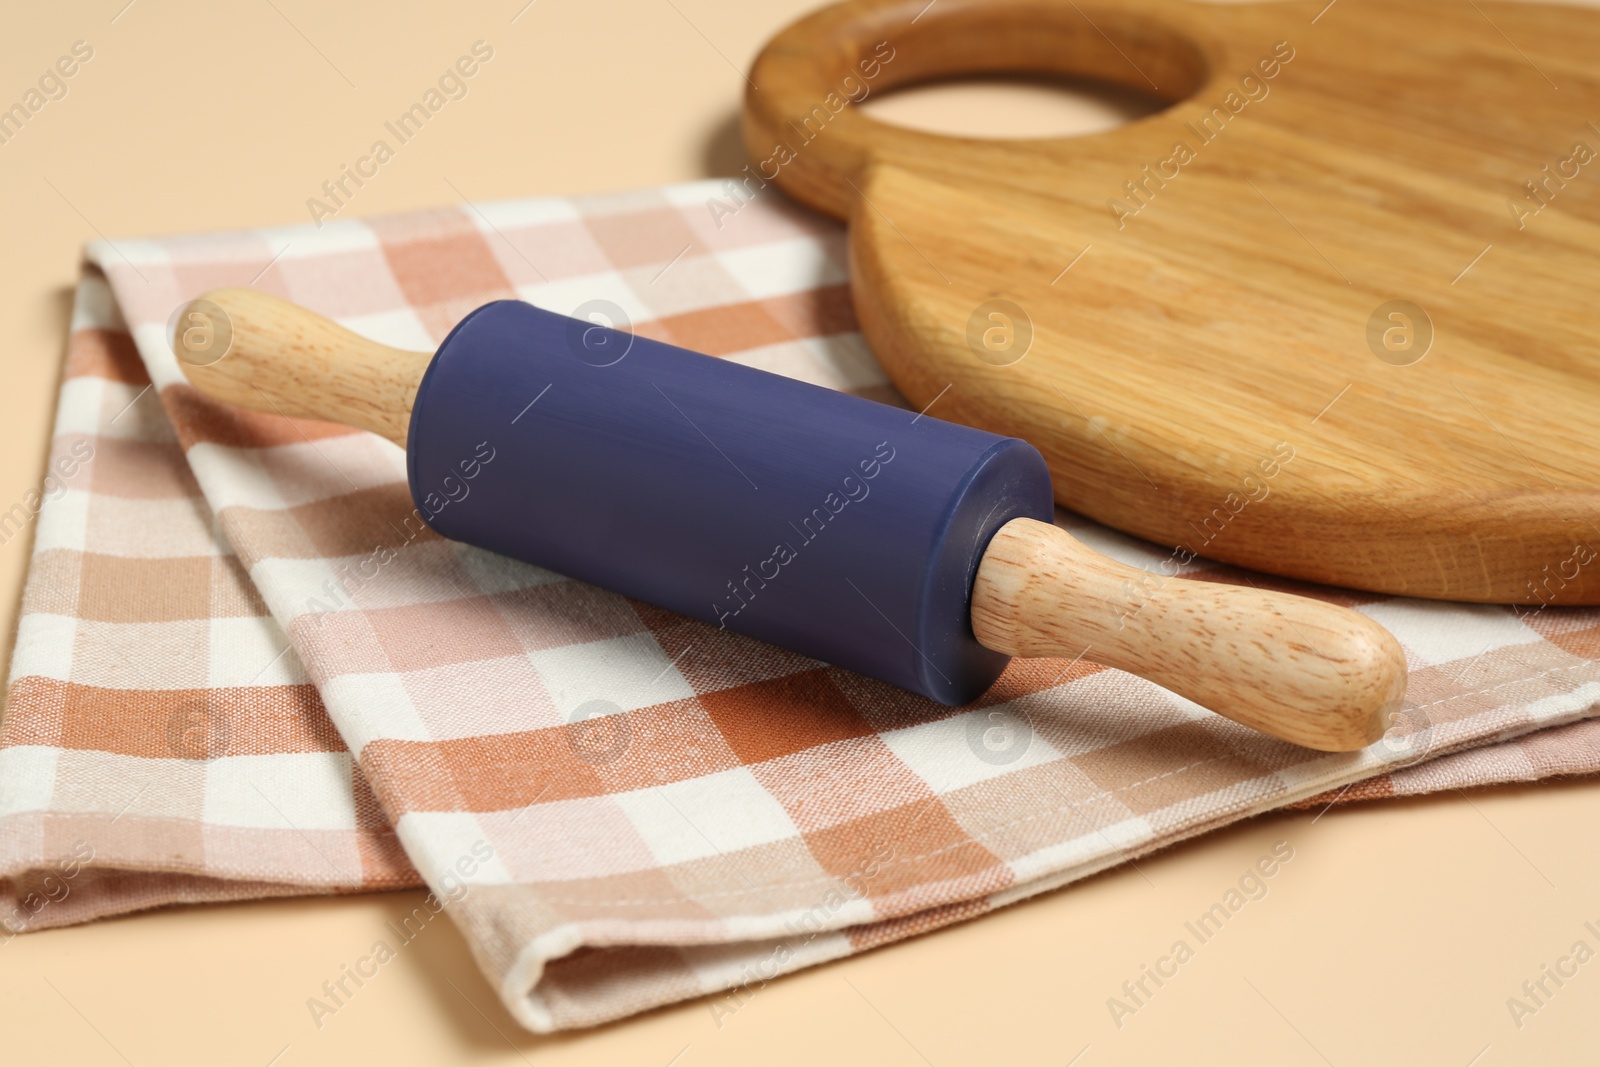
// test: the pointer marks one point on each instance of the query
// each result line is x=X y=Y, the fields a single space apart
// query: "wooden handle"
x=801 y=131
x=1308 y=672
x=247 y=348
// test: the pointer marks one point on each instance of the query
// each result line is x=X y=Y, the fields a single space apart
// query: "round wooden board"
x=1310 y=320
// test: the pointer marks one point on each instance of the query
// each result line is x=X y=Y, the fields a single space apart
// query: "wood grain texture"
x=286 y=360
x=1202 y=375
x=1308 y=672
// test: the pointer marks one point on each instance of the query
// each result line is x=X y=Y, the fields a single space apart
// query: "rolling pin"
x=900 y=546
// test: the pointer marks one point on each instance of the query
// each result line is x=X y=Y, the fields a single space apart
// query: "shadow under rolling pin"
x=904 y=547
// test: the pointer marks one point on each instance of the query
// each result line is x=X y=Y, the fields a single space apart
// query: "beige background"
x=1395 y=935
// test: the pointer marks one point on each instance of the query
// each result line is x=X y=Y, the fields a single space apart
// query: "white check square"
x=715 y=815
x=300 y=791
x=630 y=672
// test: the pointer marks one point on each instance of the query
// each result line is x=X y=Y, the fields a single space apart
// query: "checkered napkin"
x=238 y=665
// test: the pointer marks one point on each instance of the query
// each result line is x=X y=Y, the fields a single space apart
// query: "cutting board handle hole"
x=1014 y=106
x=827 y=95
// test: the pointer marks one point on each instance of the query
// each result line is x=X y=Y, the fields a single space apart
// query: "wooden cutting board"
x=1311 y=319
